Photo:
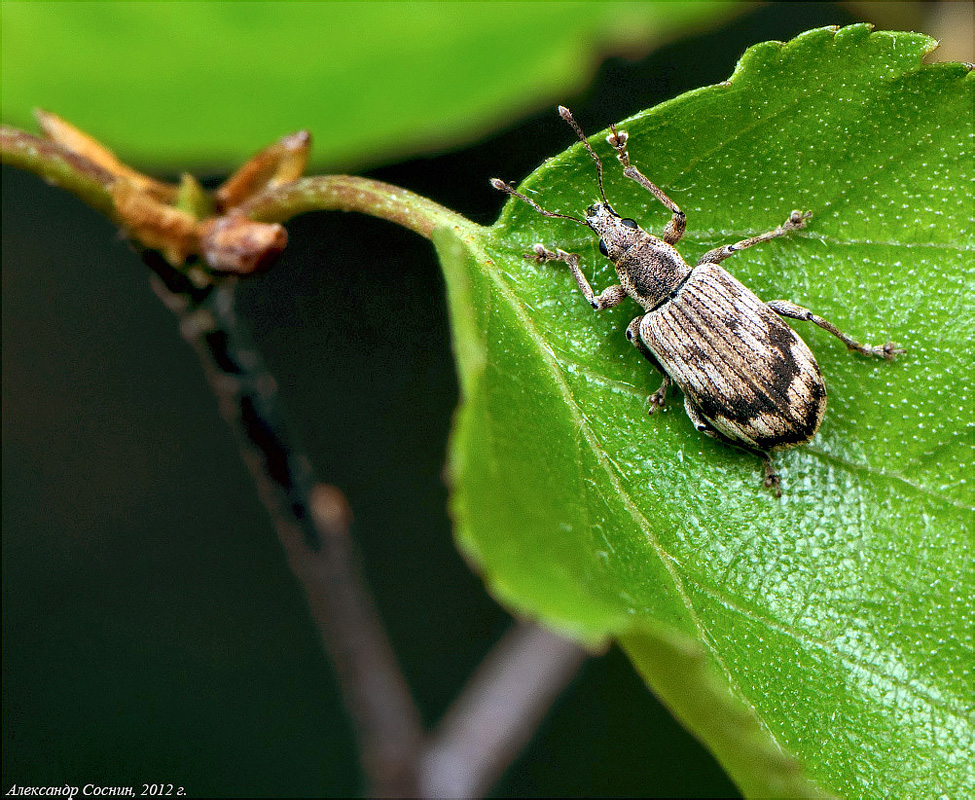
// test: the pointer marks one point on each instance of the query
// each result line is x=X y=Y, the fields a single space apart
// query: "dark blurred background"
x=151 y=629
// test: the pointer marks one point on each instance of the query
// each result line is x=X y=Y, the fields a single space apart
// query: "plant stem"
x=59 y=167
x=498 y=711
x=351 y=193
x=312 y=523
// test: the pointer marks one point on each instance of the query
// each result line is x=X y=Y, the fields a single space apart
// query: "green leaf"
x=175 y=84
x=833 y=627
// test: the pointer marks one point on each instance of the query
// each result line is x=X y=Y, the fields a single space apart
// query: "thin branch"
x=60 y=167
x=387 y=721
x=312 y=523
x=498 y=711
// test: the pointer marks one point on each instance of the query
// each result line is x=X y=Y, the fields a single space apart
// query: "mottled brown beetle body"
x=747 y=377
x=743 y=371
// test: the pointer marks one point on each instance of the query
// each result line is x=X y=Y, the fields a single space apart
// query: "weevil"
x=747 y=378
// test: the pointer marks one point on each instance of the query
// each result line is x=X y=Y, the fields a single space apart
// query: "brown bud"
x=239 y=245
x=80 y=143
x=154 y=224
x=330 y=509
x=279 y=163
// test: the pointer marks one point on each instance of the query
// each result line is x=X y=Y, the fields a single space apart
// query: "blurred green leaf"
x=834 y=624
x=178 y=84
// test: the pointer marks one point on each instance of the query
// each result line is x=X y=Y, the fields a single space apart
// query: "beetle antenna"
x=567 y=116
x=501 y=186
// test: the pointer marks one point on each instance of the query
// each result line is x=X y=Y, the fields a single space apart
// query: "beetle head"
x=616 y=234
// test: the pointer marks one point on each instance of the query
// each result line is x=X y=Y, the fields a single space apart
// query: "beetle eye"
x=602 y=248
x=630 y=223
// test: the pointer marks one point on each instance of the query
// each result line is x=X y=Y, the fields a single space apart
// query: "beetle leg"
x=786 y=309
x=700 y=422
x=609 y=297
x=796 y=220
x=675 y=228
x=657 y=399
x=770 y=479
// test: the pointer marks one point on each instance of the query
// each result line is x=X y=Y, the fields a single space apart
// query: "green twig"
x=58 y=166
x=351 y=193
